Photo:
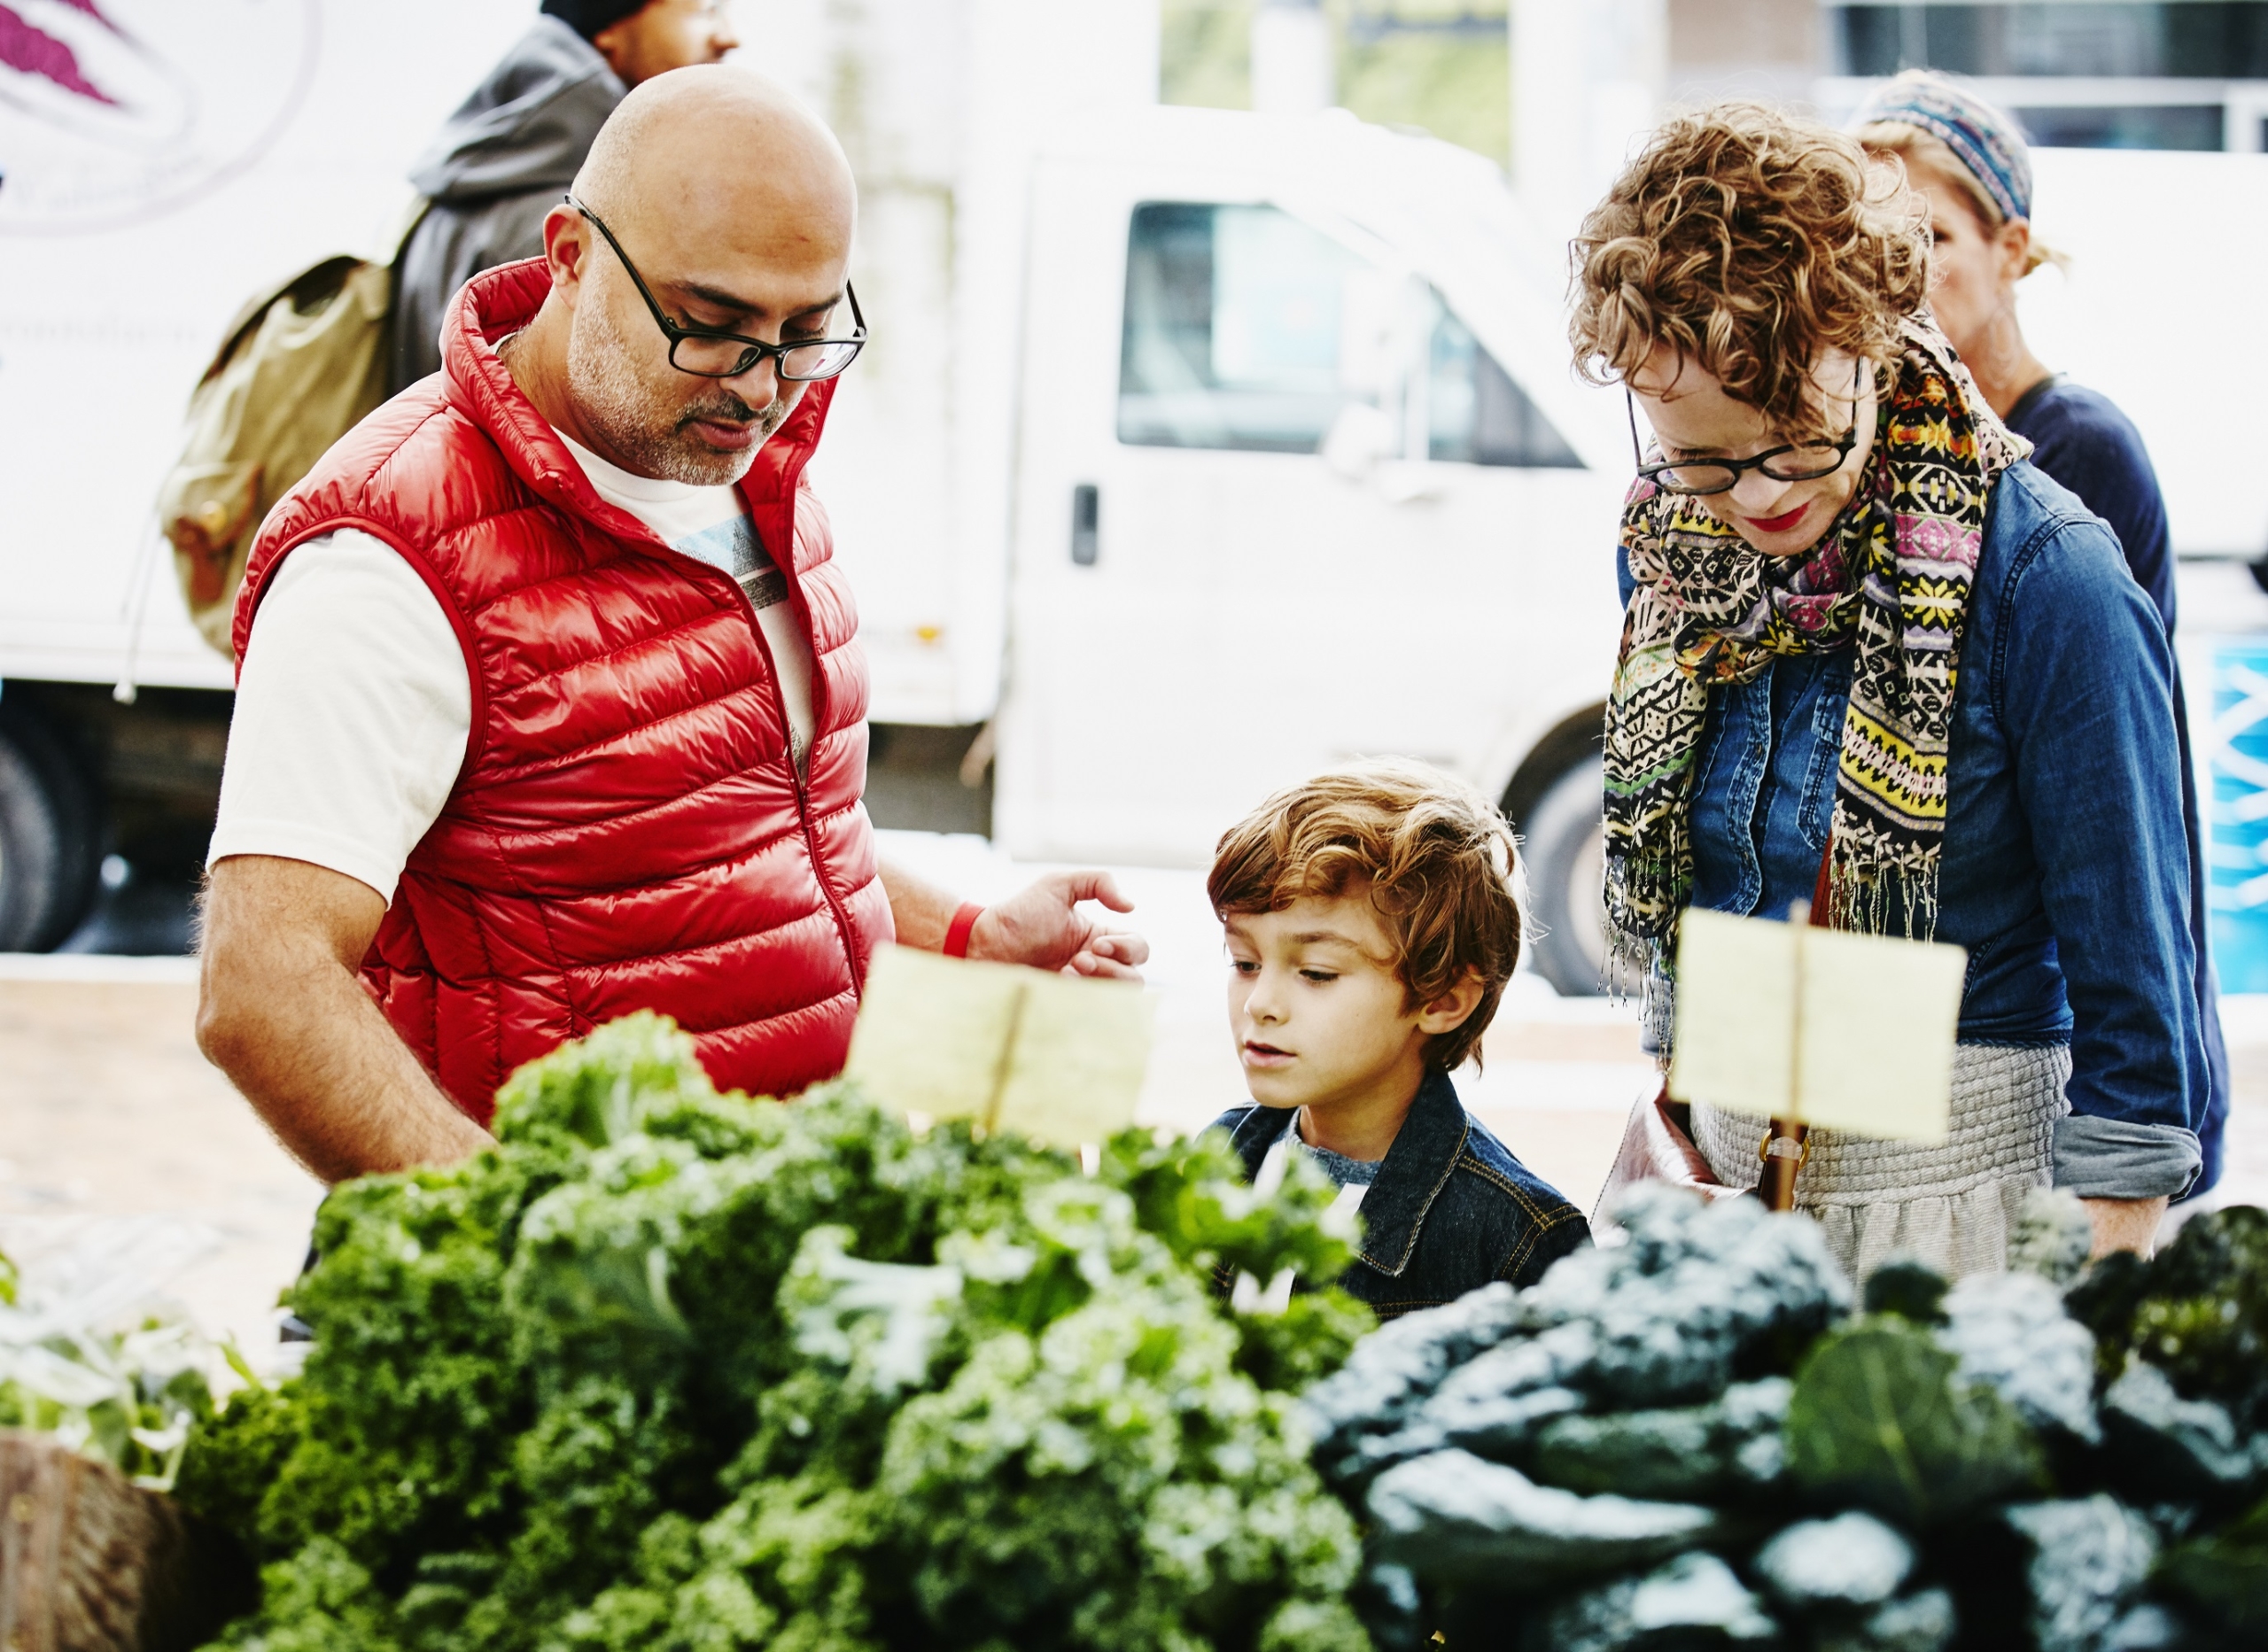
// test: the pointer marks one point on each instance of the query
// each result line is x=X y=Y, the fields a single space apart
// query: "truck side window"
x=1232 y=335
x=1477 y=415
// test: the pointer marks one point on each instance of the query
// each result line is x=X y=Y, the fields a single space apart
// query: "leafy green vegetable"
x=125 y=1394
x=2087 y=1558
x=2223 y=1575
x=673 y=1369
x=1714 y=1450
x=2198 y=1311
x=1694 y=1600
x=1877 y=1419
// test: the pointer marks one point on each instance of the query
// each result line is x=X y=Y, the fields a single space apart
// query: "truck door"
x=1278 y=508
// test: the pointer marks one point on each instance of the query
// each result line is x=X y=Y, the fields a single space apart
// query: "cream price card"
x=1853 y=1033
x=1053 y=1058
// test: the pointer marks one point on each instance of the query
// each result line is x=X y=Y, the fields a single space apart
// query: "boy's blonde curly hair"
x=1752 y=242
x=1444 y=877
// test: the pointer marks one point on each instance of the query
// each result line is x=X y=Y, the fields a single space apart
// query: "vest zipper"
x=795 y=769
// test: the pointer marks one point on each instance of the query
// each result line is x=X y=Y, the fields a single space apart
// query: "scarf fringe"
x=1863 y=891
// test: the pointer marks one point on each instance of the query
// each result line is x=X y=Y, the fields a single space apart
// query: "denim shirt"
x=1450 y=1211
x=2065 y=872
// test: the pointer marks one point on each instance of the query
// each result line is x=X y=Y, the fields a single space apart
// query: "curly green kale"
x=668 y=1368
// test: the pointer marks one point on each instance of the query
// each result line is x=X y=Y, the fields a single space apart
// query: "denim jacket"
x=1451 y=1208
x=2066 y=864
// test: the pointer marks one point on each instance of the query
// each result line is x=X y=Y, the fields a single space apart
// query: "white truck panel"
x=940 y=107
x=275 y=132
x=1253 y=616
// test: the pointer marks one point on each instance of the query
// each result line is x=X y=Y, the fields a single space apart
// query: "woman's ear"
x=1448 y=1012
x=2013 y=244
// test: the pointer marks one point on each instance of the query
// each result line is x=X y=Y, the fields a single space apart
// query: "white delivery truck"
x=1194 y=450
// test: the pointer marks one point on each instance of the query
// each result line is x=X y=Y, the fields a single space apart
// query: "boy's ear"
x=1448 y=1012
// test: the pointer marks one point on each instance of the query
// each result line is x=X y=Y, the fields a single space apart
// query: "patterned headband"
x=1990 y=143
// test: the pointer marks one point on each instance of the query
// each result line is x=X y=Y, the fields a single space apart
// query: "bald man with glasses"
x=552 y=707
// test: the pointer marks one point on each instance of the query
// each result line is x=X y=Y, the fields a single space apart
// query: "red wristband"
x=956 y=933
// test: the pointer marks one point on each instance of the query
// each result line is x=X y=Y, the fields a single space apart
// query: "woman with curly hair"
x=1876 y=659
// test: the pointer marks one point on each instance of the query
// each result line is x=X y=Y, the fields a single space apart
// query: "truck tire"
x=51 y=849
x=1565 y=847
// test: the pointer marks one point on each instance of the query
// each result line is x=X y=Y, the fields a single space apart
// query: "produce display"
x=122 y=1388
x=1690 y=1440
x=671 y=1370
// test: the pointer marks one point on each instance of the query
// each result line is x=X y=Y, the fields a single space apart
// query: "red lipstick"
x=1778 y=524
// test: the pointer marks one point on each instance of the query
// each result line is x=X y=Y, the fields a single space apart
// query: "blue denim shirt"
x=2066 y=866
x=1450 y=1211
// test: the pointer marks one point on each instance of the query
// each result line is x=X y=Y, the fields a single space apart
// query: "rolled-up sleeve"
x=2086 y=692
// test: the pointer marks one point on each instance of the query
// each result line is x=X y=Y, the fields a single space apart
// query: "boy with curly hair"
x=1372 y=916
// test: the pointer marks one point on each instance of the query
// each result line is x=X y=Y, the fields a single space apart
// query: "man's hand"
x=280 y=1011
x=2125 y=1224
x=1043 y=927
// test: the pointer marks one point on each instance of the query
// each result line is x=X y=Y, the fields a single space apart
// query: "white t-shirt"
x=354 y=704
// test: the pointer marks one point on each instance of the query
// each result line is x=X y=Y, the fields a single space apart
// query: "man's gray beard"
x=619 y=408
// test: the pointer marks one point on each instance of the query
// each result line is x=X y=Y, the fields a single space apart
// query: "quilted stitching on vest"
x=628 y=832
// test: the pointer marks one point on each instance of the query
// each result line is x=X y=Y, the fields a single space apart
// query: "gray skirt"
x=1953 y=1204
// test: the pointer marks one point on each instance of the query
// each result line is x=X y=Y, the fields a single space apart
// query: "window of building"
x=2189 y=39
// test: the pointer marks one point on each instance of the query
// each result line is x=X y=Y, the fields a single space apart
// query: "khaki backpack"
x=296 y=370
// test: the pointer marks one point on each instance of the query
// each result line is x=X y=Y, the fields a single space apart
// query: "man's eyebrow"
x=739 y=305
x=1317 y=937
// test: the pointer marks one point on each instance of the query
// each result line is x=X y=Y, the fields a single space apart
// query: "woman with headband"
x=1968 y=161
x=1875 y=658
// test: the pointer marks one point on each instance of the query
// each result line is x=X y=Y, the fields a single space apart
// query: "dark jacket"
x=1451 y=1210
x=2066 y=865
x=501 y=163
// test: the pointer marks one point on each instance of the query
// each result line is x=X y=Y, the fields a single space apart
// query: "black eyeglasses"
x=1796 y=461
x=712 y=352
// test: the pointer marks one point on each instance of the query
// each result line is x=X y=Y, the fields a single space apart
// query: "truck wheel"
x=50 y=855
x=1565 y=850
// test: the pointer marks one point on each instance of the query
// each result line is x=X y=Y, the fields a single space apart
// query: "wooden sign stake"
x=1783 y=1150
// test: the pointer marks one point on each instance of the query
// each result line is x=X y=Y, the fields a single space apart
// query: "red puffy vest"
x=628 y=831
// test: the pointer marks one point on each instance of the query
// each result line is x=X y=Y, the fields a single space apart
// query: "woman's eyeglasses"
x=1796 y=461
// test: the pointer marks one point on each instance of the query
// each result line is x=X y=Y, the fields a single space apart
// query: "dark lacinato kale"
x=1687 y=1439
x=2085 y=1560
x=2010 y=1333
x=2221 y=1579
x=1719 y=1451
x=671 y=1370
x=1695 y=1599
x=1453 y=1519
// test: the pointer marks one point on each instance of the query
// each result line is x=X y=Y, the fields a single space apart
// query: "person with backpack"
x=306 y=359
x=503 y=158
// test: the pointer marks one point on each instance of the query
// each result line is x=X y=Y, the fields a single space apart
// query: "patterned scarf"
x=1892 y=574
